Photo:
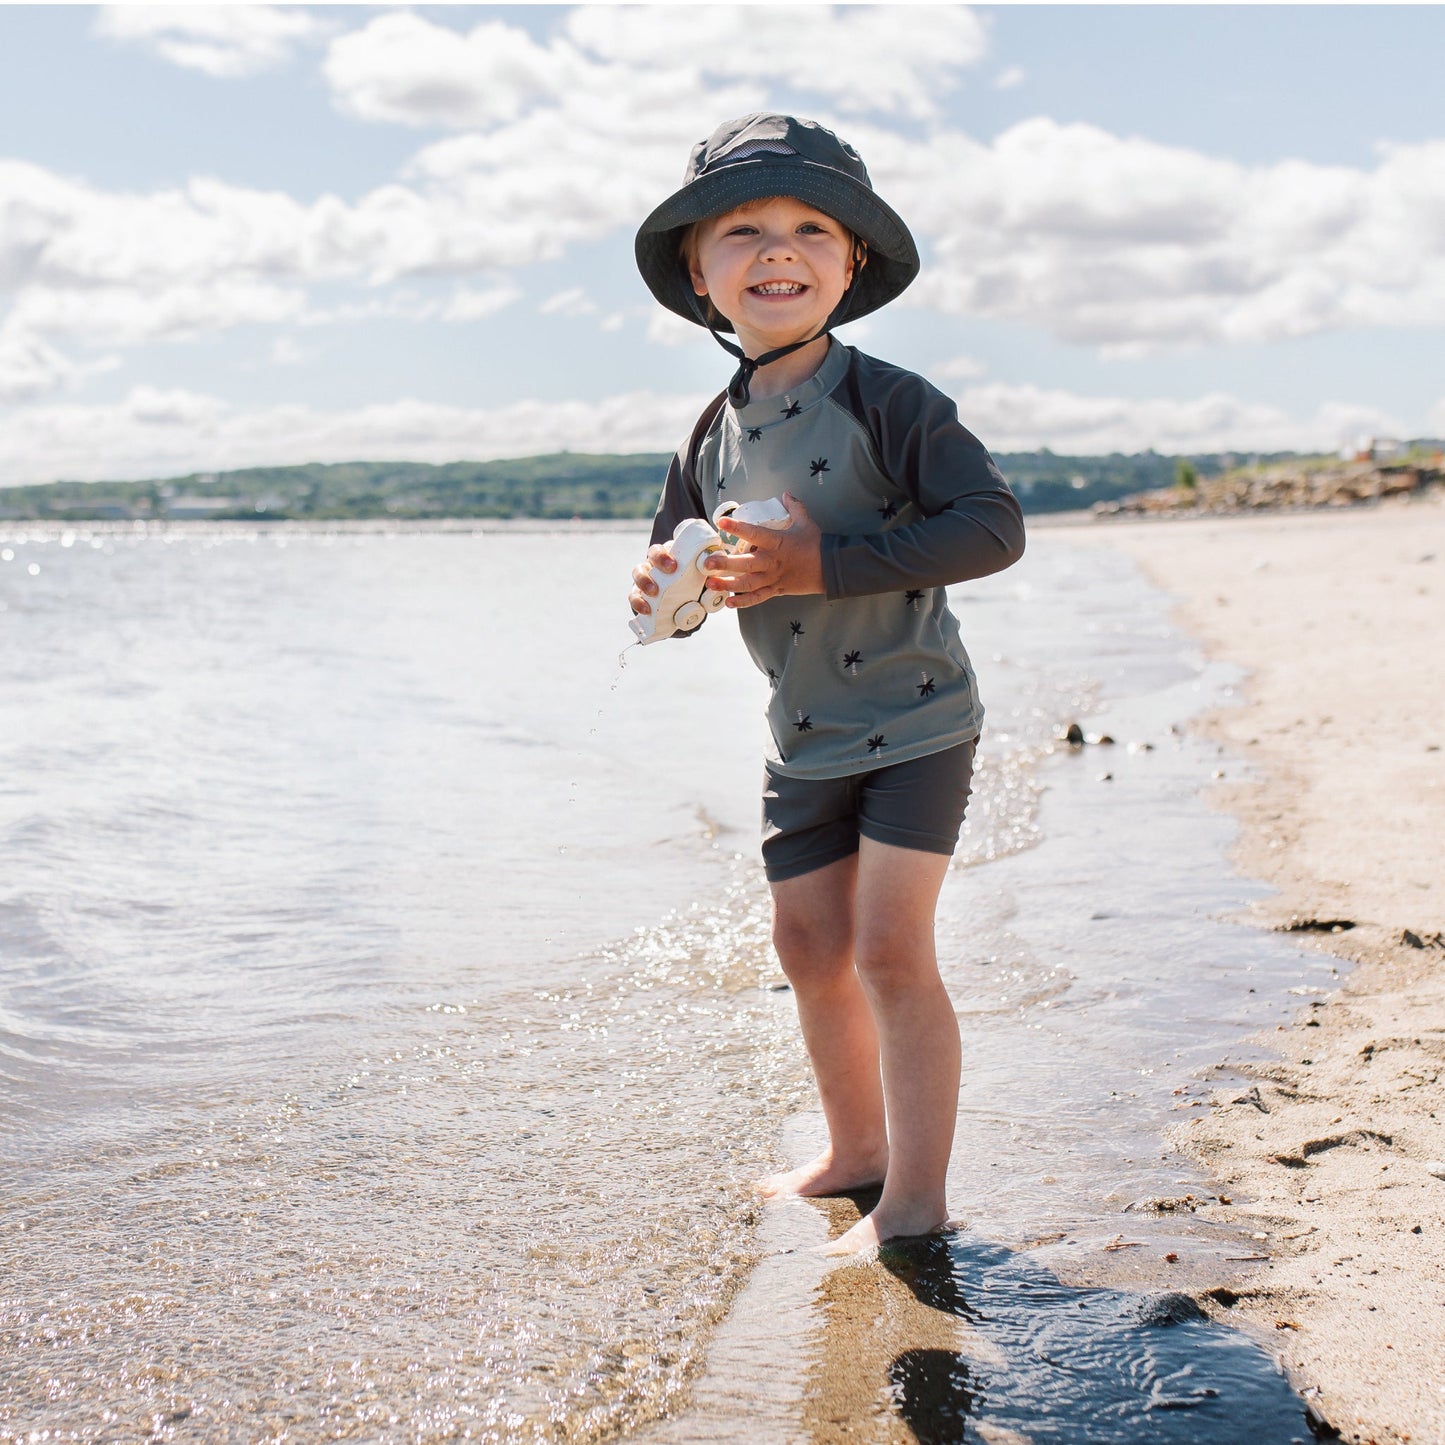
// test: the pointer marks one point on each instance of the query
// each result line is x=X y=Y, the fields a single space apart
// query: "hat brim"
x=892 y=255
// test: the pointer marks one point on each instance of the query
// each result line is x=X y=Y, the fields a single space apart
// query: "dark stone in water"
x=1169 y=1309
x=1316 y=925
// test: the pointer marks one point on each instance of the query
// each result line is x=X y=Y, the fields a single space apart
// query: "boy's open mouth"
x=778 y=288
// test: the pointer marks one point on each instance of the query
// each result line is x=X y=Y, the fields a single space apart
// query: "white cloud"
x=960 y=368
x=666 y=328
x=156 y=433
x=124 y=267
x=571 y=302
x=223 y=41
x=615 y=322
x=30 y=367
x=1023 y=418
x=126 y=316
x=887 y=59
x=402 y=68
x=1009 y=79
x=1132 y=247
x=287 y=351
x=469 y=304
x=392 y=306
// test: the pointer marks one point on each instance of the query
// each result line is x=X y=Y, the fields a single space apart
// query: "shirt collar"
x=807 y=394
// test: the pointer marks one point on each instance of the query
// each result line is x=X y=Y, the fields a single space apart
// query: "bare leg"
x=813 y=933
x=897 y=963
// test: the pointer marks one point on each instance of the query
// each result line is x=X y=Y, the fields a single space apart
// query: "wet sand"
x=1335 y=767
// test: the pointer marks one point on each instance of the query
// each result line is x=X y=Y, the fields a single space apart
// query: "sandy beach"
x=1335 y=767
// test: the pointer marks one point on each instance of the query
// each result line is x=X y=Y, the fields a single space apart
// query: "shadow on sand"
x=956 y=1338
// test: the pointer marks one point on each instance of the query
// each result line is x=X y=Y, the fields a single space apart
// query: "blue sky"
x=235 y=235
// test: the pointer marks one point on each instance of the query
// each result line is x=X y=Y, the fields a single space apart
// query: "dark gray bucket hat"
x=765 y=155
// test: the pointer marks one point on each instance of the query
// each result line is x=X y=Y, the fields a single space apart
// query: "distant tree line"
x=559 y=486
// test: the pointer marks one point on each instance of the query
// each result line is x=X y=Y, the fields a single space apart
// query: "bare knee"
x=812 y=949
x=891 y=959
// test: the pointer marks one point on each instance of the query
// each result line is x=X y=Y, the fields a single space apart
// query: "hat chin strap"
x=738 y=388
x=739 y=393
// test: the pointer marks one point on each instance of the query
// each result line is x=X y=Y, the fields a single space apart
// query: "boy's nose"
x=778 y=248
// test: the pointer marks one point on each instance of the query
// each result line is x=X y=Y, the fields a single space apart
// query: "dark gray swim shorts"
x=811 y=822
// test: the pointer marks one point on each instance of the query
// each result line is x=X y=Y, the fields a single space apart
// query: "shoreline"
x=1333 y=1148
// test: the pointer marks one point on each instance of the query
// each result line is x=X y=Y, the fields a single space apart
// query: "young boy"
x=777 y=236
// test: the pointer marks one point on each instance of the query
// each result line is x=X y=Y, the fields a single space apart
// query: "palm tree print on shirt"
x=772 y=678
x=804 y=723
x=913 y=597
x=851 y=661
x=926 y=686
x=755 y=433
x=797 y=630
x=876 y=743
x=793 y=408
x=817 y=468
x=888 y=510
x=721 y=485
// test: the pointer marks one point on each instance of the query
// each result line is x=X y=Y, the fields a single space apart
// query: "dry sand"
x=1335 y=1150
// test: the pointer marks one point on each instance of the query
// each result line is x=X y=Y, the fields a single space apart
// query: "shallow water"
x=387 y=1028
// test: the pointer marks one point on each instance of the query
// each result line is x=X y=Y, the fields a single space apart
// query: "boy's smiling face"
x=774 y=268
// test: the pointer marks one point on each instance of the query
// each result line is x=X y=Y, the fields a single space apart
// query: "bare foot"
x=875 y=1229
x=825 y=1175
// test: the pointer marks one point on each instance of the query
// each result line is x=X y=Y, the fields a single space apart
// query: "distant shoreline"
x=562 y=485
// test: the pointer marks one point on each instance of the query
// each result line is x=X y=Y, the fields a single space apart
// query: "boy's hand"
x=778 y=564
x=643 y=587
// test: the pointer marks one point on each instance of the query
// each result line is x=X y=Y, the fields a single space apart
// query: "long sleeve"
x=680 y=500
x=972 y=524
x=681 y=496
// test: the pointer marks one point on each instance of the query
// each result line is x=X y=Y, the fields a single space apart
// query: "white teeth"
x=778 y=288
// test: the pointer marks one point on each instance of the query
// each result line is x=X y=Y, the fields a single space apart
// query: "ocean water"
x=389 y=1034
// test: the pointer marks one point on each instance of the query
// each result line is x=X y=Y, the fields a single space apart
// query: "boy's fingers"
x=731 y=562
x=748 y=531
x=751 y=599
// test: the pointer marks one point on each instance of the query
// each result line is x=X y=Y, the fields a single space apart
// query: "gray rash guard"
x=873 y=672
